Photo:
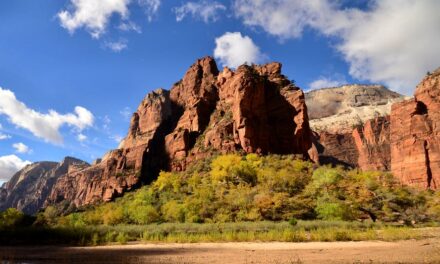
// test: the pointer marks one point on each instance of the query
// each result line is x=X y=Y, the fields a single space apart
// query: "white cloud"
x=92 y=15
x=126 y=113
x=394 y=42
x=9 y=165
x=106 y=123
x=116 y=46
x=150 y=7
x=325 y=82
x=282 y=18
x=233 y=50
x=130 y=26
x=81 y=137
x=4 y=136
x=21 y=148
x=45 y=126
x=95 y=15
x=204 y=10
x=117 y=138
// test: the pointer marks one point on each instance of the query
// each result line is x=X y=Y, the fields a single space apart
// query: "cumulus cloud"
x=207 y=11
x=9 y=165
x=21 y=148
x=393 y=42
x=116 y=46
x=233 y=50
x=95 y=16
x=92 y=15
x=45 y=126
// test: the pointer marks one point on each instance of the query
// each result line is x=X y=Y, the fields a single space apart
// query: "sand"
x=409 y=251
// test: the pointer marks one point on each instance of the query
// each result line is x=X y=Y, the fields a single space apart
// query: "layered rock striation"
x=254 y=109
x=415 y=135
x=367 y=147
x=352 y=125
x=340 y=109
x=29 y=188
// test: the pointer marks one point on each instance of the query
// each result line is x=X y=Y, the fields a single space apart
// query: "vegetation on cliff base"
x=242 y=198
x=233 y=188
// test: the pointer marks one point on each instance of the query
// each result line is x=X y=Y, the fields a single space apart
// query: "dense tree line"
x=233 y=188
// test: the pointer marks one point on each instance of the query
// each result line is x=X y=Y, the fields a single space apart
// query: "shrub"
x=122 y=238
x=293 y=221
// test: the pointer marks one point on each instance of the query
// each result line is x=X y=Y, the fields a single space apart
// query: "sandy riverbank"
x=411 y=251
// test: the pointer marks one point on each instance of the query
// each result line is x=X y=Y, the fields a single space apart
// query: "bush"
x=122 y=238
x=293 y=221
x=12 y=218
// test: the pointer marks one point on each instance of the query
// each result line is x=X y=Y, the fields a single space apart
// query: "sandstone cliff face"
x=28 y=189
x=340 y=109
x=367 y=147
x=415 y=136
x=372 y=142
x=352 y=125
x=254 y=109
x=121 y=169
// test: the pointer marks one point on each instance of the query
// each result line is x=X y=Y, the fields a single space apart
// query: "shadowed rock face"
x=415 y=135
x=254 y=109
x=28 y=189
x=367 y=147
x=372 y=142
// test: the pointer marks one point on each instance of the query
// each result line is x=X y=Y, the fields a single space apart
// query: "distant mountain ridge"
x=340 y=109
x=29 y=188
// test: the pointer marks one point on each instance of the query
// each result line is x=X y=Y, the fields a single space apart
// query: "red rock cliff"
x=415 y=136
x=254 y=109
x=367 y=147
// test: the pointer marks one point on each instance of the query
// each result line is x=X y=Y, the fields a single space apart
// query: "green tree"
x=11 y=218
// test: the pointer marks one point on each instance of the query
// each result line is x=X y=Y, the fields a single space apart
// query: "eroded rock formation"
x=372 y=142
x=254 y=109
x=415 y=135
x=340 y=109
x=352 y=126
x=28 y=189
x=367 y=147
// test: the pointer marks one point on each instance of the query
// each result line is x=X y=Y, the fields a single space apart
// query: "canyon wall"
x=254 y=109
x=29 y=188
x=415 y=135
x=352 y=125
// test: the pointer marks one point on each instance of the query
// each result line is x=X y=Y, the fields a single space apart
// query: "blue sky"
x=106 y=55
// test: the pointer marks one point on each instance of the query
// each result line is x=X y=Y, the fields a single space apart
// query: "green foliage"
x=293 y=221
x=303 y=231
x=234 y=188
x=11 y=218
x=122 y=238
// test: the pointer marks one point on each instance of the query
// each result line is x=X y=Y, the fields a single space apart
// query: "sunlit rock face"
x=254 y=109
x=415 y=135
x=29 y=188
x=352 y=125
x=340 y=109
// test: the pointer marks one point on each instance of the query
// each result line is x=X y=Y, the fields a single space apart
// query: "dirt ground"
x=410 y=251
